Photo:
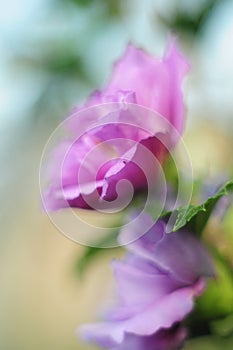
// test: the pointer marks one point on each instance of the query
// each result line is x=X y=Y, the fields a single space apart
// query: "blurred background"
x=53 y=54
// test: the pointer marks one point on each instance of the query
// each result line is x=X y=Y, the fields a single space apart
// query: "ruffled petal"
x=157 y=83
x=163 y=314
x=137 y=287
x=171 y=339
x=179 y=254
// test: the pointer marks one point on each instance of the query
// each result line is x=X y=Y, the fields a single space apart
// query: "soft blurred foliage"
x=53 y=54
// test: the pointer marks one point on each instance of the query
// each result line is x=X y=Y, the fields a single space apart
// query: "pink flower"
x=156 y=287
x=121 y=133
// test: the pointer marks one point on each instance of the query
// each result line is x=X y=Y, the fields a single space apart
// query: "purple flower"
x=156 y=287
x=119 y=133
x=162 y=340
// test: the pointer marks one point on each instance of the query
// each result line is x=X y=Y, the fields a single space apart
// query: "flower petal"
x=137 y=287
x=170 y=310
x=178 y=253
x=157 y=83
x=170 y=339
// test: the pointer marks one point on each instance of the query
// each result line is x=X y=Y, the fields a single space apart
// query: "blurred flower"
x=156 y=285
x=119 y=143
x=163 y=340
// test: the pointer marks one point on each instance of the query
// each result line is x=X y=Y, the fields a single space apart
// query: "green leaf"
x=217 y=301
x=209 y=342
x=196 y=216
x=223 y=327
x=213 y=313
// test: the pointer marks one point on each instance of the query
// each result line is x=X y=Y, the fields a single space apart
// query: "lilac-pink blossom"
x=156 y=287
x=148 y=118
